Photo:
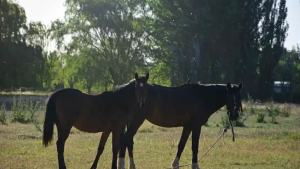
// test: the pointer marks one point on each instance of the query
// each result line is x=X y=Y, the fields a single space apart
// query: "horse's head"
x=234 y=101
x=141 y=88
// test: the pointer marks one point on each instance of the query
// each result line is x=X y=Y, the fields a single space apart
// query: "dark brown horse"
x=188 y=106
x=107 y=112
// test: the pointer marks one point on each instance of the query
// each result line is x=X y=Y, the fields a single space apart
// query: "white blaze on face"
x=234 y=103
x=141 y=99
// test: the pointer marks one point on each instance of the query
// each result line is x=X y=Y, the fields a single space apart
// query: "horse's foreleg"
x=195 y=145
x=184 y=137
x=130 y=152
x=60 y=145
x=116 y=133
x=127 y=140
x=101 y=146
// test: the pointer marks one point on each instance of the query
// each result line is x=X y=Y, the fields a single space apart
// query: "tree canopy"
x=101 y=43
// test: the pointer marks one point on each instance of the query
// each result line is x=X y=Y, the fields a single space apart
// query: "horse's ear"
x=136 y=76
x=147 y=76
x=228 y=86
x=240 y=86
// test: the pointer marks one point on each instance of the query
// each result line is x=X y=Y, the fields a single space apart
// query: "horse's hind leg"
x=63 y=135
x=101 y=146
x=195 y=145
x=184 y=137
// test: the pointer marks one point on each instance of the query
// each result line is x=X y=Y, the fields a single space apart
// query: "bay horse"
x=106 y=112
x=189 y=106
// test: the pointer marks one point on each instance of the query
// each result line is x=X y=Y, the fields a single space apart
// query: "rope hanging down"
x=222 y=135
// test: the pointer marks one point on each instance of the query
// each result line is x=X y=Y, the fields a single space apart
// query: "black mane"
x=123 y=86
x=120 y=94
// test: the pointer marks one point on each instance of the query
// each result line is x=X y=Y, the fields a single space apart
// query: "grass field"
x=258 y=146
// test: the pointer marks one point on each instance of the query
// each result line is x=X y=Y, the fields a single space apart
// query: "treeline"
x=101 y=43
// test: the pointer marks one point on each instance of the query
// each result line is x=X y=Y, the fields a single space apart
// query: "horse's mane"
x=119 y=87
x=207 y=88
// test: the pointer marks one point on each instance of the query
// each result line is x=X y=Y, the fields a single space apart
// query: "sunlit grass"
x=257 y=146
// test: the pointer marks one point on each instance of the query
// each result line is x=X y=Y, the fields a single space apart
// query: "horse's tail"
x=50 y=118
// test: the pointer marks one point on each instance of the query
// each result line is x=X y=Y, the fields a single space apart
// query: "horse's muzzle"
x=234 y=114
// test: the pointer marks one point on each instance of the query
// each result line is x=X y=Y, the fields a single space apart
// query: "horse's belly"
x=169 y=121
x=92 y=124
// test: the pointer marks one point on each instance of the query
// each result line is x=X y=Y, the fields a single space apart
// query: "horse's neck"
x=126 y=93
x=123 y=94
x=214 y=98
x=216 y=103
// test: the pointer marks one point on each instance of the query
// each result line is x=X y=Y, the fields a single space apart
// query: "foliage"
x=32 y=108
x=272 y=111
x=102 y=43
x=21 y=59
x=18 y=107
x=3 y=119
x=260 y=117
x=243 y=116
x=285 y=110
x=224 y=120
x=108 y=42
x=24 y=110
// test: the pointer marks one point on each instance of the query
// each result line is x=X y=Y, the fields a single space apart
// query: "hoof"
x=94 y=167
x=195 y=166
x=62 y=167
x=175 y=163
x=121 y=163
x=132 y=166
x=121 y=167
x=131 y=163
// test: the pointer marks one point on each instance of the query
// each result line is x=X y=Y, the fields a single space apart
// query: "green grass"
x=258 y=145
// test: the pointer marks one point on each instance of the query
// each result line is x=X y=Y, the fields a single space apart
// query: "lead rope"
x=222 y=135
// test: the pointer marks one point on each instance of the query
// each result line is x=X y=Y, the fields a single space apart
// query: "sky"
x=50 y=10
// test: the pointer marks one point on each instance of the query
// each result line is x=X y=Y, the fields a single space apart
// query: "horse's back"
x=70 y=103
x=170 y=106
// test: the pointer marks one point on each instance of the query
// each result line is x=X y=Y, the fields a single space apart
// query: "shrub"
x=224 y=120
x=285 y=110
x=25 y=110
x=273 y=111
x=3 y=114
x=32 y=110
x=260 y=117
x=18 y=107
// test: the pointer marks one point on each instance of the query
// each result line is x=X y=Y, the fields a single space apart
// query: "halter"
x=228 y=112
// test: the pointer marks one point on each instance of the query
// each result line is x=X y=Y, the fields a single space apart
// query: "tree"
x=21 y=63
x=273 y=34
x=108 y=36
